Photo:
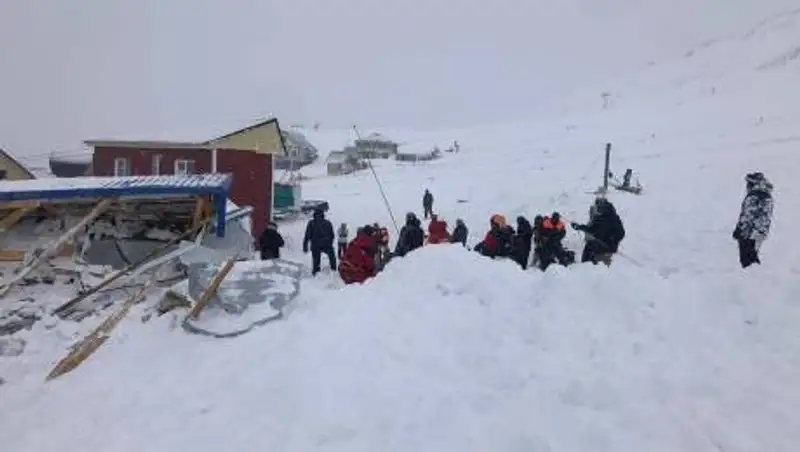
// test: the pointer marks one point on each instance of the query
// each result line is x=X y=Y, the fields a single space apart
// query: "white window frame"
x=122 y=167
x=182 y=166
x=155 y=165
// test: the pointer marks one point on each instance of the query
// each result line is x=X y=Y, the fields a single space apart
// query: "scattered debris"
x=253 y=294
x=20 y=317
x=98 y=337
x=11 y=346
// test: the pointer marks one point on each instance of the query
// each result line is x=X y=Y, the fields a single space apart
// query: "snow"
x=672 y=348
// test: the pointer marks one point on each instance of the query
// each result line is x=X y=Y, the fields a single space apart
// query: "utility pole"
x=380 y=186
x=606 y=169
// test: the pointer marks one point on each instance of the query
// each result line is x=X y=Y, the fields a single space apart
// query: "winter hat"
x=368 y=230
x=498 y=220
x=555 y=216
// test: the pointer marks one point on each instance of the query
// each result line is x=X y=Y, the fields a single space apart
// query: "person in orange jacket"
x=437 y=231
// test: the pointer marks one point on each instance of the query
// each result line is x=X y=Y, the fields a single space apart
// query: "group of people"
x=539 y=244
x=545 y=236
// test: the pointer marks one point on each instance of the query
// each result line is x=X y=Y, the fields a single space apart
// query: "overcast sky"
x=77 y=69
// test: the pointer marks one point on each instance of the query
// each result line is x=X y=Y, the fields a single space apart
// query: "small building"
x=299 y=151
x=374 y=146
x=343 y=162
x=415 y=153
x=11 y=169
x=248 y=154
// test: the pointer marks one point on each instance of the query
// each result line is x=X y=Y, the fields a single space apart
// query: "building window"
x=155 y=170
x=122 y=167
x=184 y=167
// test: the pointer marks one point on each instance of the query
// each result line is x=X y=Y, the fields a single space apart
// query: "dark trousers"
x=595 y=252
x=340 y=249
x=521 y=256
x=748 y=254
x=428 y=211
x=316 y=257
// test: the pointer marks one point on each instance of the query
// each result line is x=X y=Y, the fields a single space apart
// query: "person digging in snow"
x=497 y=242
x=411 y=236
x=460 y=233
x=755 y=218
x=342 y=237
x=358 y=263
x=522 y=242
x=437 y=231
x=271 y=242
x=604 y=232
x=319 y=234
x=552 y=233
x=427 y=204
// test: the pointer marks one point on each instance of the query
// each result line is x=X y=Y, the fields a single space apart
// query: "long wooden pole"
x=606 y=168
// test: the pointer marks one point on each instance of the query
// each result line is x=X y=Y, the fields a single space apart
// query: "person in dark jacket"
x=538 y=240
x=411 y=236
x=460 y=233
x=427 y=204
x=604 y=232
x=497 y=242
x=755 y=219
x=320 y=235
x=522 y=242
x=271 y=242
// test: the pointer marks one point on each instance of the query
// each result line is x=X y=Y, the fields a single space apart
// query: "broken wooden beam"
x=205 y=298
x=156 y=253
x=55 y=247
x=89 y=344
x=16 y=215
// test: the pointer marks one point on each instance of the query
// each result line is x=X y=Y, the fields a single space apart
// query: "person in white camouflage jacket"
x=755 y=218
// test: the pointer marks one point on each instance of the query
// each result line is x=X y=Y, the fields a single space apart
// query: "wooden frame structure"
x=192 y=201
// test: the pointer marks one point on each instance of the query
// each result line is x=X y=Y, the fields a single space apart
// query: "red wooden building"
x=248 y=154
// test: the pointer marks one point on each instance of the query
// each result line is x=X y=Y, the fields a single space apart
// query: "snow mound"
x=447 y=350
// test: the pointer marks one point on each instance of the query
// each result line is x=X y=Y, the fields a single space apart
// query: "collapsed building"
x=89 y=241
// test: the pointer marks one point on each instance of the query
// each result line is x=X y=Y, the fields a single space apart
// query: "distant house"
x=248 y=154
x=343 y=162
x=373 y=146
x=299 y=151
x=11 y=169
x=412 y=153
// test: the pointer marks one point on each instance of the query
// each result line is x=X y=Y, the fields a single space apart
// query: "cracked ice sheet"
x=252 y=294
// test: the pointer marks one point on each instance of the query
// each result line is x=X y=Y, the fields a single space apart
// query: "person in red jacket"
x=437 y=231
x=358 y=263
x=497 y=242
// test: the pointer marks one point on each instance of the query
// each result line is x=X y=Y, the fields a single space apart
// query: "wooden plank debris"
x=155 y=254
x=55 y=247
x=205 y=298
x=89 y=344
x=16 y=215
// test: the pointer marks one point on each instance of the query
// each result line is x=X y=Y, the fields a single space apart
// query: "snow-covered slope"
x=673 y=348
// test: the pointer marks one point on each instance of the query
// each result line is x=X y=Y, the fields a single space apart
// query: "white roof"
x=417 y=148
x=97 y=182
x=375 y=136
